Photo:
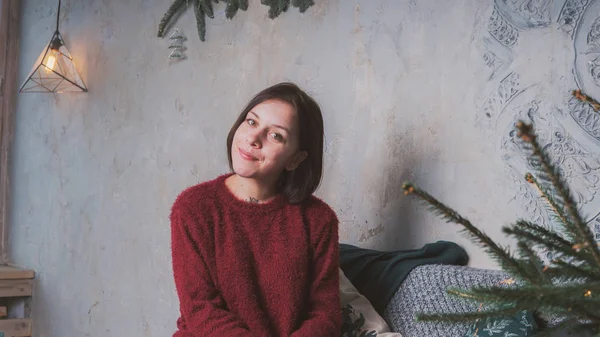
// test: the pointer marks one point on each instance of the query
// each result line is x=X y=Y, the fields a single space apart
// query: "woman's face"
x=267 y=142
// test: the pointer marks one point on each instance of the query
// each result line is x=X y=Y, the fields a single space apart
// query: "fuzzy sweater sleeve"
x=324 y=318
x=203 y=311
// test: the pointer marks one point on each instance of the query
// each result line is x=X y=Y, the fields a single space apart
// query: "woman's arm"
x=202 y=308
x=325 y=315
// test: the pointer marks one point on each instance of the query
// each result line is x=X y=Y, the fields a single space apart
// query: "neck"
x=250 y=189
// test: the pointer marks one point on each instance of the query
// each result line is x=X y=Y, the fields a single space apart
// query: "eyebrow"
x=275 y=125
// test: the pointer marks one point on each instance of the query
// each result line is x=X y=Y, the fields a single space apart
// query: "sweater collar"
x=232 y=201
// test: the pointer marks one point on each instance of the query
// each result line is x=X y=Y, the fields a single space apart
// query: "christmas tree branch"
x=570 y=299
x=535 y=263
x=204 y=8
x=176 y=6
x=231 y=8
x=556 y=208
x=243 y=4
x=506 y=260
x=576 y=271
x=543 y=237
x=199 y=11
x=582 y=230
x=467 y=316
x=587 y=99
x=207 y=7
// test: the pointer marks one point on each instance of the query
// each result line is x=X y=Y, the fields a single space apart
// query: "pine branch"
x=565 y=301
x=231 y=9
x=535 y=263
x=556 y=208
x=583 y=271
x=207 y=8
x=283 y=5
x=587 y=99
x=176 y=6
x=508 y=262
x=204 y=8
x=200 y=19
x=243 y=4
x=302 y=5
x=538 y=235
x=276 y=7
x=581 y=229
x=467 y=316
x=570 y=299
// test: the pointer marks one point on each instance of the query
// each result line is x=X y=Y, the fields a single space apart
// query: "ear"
x=296 y=160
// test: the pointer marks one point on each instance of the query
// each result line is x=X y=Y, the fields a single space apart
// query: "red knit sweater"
x=256 y=270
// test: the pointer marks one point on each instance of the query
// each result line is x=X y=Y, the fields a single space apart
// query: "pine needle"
x=243 y=4
x=200 y=19
x=231 y=9
x=204 y=8
x=467 y=316
x=581 y=230
x=536 y=265
x=302 y=5
x=207 y=7
x=176 y=6
x=508 y=262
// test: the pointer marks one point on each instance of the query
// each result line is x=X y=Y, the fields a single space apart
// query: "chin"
x=243 y=170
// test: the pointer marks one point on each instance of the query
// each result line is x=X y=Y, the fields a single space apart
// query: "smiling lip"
x=246 y=155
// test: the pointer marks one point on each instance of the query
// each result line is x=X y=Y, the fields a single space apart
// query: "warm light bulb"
x=51 y=62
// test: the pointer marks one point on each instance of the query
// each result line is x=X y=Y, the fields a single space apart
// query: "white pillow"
x=359 y=316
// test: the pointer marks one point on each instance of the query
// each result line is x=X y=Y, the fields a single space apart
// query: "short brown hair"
x=299 y=184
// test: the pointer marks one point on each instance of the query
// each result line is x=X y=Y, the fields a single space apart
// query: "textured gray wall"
x=420 y=90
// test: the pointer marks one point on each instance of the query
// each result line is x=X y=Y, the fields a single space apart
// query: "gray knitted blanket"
x=424 y=291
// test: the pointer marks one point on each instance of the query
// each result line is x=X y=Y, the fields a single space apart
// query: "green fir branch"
x=302 y=5
x=511 y=264
x=243 y=4
x=207 y=8
x=176 y=6
x=200 y=18
x=467 y=316
x=577 y=271
x=569 y=299
x=204 y=8
x=283 y=5
x=536 y=266
x=231 y=9
x=581 y=229
x=540 y=236
x=555 y=207
x=568 y=288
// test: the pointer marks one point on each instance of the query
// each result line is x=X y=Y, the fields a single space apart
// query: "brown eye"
x=251 y=121
x=277 y=137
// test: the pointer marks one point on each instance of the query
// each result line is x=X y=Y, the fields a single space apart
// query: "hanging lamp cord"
x=58 y=15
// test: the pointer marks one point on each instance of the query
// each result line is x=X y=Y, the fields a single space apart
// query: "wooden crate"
x=16 y=290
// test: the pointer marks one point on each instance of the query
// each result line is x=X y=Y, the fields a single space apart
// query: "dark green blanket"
x=378 y=275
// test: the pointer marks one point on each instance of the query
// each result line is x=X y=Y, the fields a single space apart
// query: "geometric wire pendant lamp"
x=54 y=70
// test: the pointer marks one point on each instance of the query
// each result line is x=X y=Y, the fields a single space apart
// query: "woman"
x=254 y=252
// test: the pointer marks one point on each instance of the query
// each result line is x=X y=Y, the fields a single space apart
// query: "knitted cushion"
x=424 y=291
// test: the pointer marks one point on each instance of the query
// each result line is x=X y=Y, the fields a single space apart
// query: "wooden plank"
x=11 y=273
x=16 y=327
x=13 y=288
x=9 y=46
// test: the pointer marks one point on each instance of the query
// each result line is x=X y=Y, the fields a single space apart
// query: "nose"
x=254 y=139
